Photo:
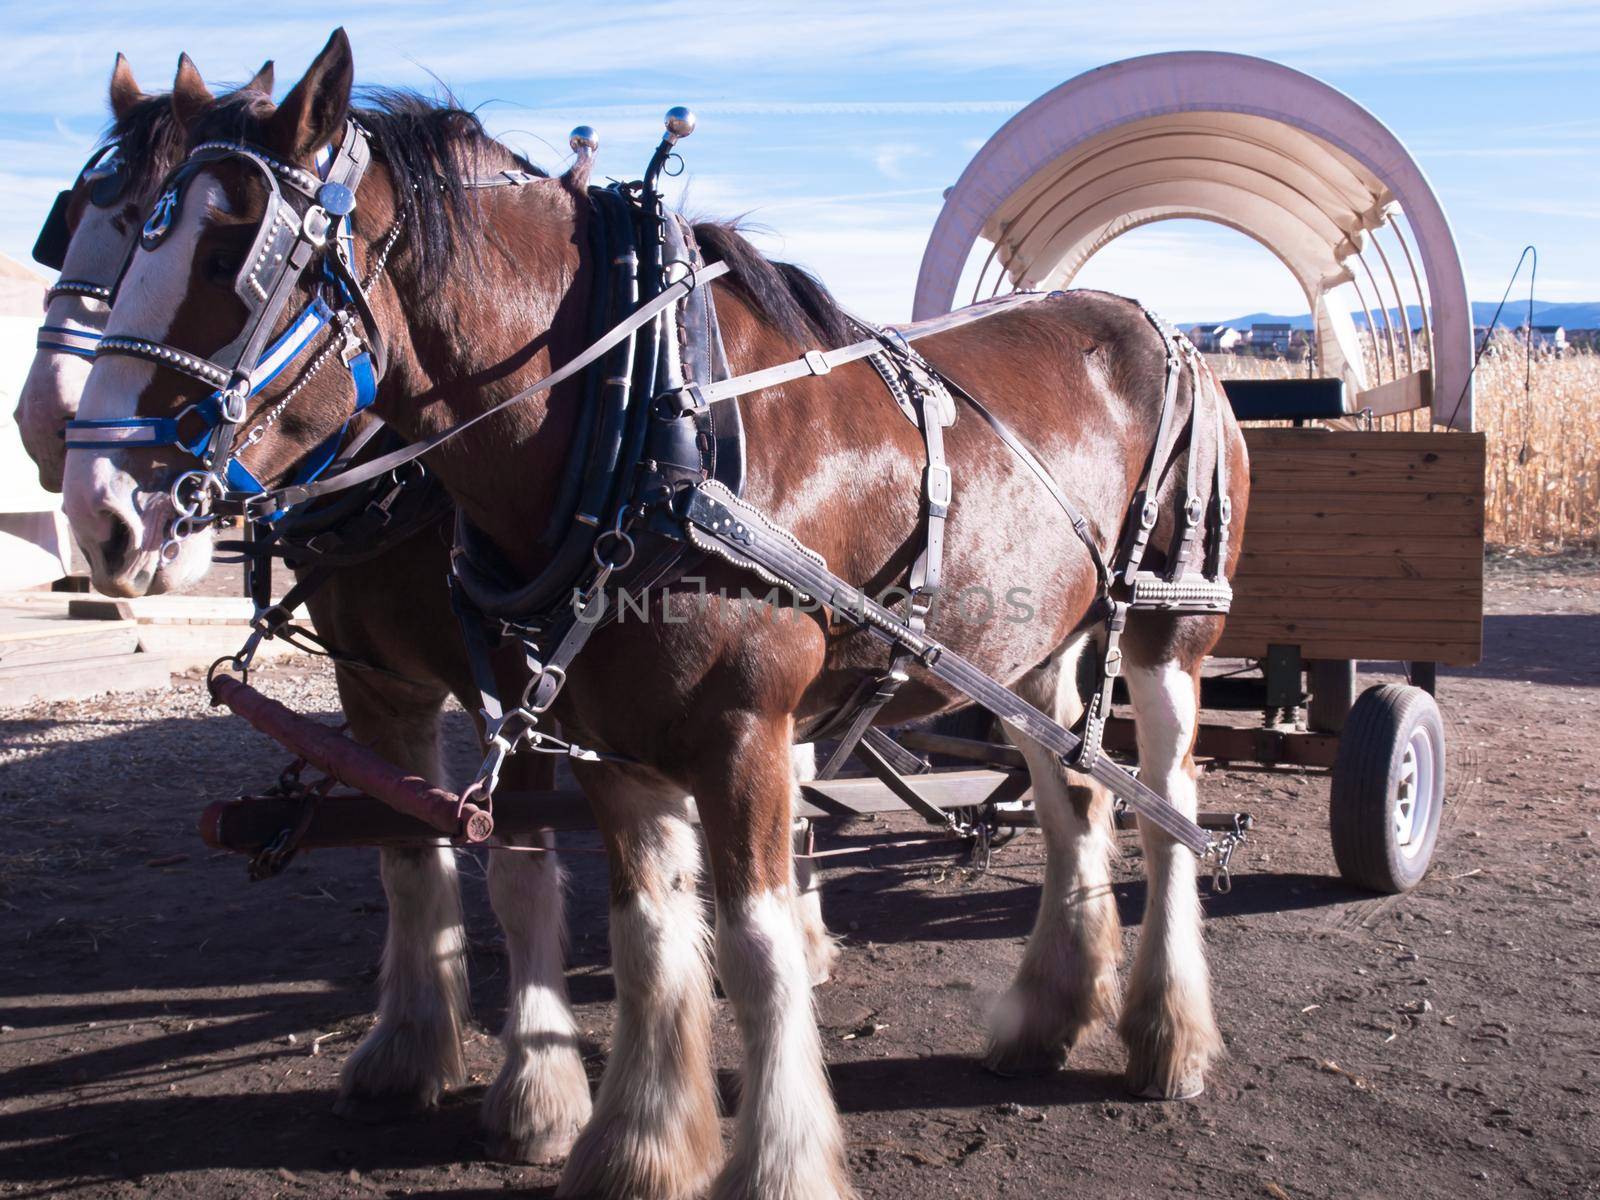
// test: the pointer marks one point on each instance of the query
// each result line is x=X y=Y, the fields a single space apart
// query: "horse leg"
x=540 y=1100
x=1068 y=976
x=654 y=1132
x=788 y=1143
x=1167 y=1023
x=821 y=946
x=414 y=1051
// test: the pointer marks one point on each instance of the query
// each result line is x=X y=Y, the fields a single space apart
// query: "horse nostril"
x=119 y=542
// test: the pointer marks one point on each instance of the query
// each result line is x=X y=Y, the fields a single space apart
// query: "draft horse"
x=382 y=608
x=486 y=291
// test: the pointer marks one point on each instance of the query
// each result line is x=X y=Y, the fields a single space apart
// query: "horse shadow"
x=887 y=904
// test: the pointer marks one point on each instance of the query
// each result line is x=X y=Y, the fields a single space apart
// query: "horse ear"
x=315 y=110
x=262 y=80
x=125 y=89
x=190 y=95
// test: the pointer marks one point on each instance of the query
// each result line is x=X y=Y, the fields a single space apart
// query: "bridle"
x=288 y=242
x=107 y=177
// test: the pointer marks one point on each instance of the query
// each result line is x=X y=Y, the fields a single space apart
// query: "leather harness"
x=657 y=464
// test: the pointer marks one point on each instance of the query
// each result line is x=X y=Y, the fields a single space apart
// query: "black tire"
x=1381 y=841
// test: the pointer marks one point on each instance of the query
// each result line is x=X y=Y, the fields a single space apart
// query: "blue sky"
x=837 y=125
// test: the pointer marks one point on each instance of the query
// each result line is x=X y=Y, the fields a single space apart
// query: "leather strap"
x=924 y=390
x=718 y=522
x=284 y=497
x=820 y=362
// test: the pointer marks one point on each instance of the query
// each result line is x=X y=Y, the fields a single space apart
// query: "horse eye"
x=222 y=266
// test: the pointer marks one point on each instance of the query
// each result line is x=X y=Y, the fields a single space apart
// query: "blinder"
x=50 y=249
x=107 y=177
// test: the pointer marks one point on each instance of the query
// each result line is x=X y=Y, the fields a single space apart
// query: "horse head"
x=89 y=237
x=261 y=310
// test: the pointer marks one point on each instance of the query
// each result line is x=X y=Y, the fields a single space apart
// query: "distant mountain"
x=1582 y=314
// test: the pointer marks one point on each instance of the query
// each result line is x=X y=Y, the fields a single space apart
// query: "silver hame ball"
x=584 y=138
x=680 y=121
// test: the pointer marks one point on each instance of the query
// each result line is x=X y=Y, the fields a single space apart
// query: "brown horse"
x=541 y=1097
x=482 y=297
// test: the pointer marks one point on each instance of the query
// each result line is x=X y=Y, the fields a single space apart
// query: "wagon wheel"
x=1388 y=789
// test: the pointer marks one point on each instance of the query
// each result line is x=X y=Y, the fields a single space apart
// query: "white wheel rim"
x=1414 y=798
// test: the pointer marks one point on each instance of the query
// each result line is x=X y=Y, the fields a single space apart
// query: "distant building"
x=1215 y=339
x=1552 y=339
x=1274 y=337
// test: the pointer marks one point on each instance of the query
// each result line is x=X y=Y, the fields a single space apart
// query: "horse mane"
x=786 y=296
x=151 y=140
x=429 y=147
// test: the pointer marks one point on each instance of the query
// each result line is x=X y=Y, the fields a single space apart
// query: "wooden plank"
x=1265 y=566
x=1372 y=609
x=1309 y=469
x=1442 y=631
x=1401 y=543
x=1361 y=526
x=83 y=678
x=1418 y=508
x=26 y=625
x=1327 y=481
x=1456 y=644
x=1422 y=441
x=83 y=643
x=1406 y=394
x=1249 y=585
x=1361 y=647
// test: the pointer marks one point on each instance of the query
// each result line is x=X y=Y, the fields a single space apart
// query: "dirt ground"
x=167 y=1028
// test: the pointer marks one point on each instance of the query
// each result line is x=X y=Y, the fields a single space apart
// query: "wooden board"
x=1362 y=545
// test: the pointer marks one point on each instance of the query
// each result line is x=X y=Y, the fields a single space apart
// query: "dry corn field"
x=1543 y=486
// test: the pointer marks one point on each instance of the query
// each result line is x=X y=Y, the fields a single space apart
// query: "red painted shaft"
x=354 y=765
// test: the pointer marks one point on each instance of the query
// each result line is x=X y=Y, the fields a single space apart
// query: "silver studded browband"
x=79 y=287
x=303 y=181
x=190 y=364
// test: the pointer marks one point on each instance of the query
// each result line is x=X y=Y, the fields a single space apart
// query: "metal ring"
x=203 y=481
x=533 y=686
x=603 y=561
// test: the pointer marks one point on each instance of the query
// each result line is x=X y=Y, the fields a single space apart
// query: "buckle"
x=817 y=362
x=315 y=224
x=939 y=486
x=230 y=401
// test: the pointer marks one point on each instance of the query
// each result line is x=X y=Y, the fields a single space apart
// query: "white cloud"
x=467 y=45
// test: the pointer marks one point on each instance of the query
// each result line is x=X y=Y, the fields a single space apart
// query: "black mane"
x=789 y=297
x=428 y=148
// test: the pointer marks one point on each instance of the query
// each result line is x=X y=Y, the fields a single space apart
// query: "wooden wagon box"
x=1362 y=546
